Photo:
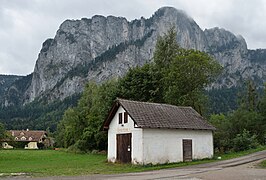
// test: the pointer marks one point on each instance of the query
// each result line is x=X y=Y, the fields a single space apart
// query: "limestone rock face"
x=101 y=48
x=107 y=47
x=232 y=53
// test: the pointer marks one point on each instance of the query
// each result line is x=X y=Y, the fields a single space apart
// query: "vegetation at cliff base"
x=244 y=128
x=37 y=115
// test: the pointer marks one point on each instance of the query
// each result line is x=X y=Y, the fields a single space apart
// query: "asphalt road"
x=243 y=168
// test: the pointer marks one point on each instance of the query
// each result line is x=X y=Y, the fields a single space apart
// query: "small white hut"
x=143 y=133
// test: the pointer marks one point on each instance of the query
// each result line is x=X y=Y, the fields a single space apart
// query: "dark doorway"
x=187 y=150
x=123 y=148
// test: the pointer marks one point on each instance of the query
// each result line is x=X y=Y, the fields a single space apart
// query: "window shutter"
x=120 y=118
x=125 y=117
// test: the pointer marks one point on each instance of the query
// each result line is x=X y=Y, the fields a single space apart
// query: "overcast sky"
x=26 y=24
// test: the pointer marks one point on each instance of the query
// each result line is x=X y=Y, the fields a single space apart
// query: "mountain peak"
x=167 y=10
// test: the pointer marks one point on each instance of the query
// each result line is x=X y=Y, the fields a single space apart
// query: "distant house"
x=31 y=138
x=5 y=145
x=143 y=133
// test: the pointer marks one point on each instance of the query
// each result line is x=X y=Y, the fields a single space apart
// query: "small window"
x=125 y=117
x=120 y=118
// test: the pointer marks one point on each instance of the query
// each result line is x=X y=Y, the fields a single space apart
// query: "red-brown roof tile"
x=27 y=134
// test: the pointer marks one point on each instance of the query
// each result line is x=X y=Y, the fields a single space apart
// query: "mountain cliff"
x=101 y=48
x=239 y=63
x=5 y=83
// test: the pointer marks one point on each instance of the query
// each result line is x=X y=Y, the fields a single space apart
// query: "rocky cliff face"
x=101 y=48
x=107 y=47
x=239 y=63
x=13 y=88
x=6 y=82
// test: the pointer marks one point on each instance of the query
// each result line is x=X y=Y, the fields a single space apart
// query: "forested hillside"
x=38 y=115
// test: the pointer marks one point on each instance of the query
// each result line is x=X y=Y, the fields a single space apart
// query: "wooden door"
x=187 y=150
x=123 y=142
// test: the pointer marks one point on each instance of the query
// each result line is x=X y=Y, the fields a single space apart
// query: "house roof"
x=155 y=115
x=27 y=135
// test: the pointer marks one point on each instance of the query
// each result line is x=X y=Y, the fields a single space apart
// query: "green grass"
x=263 y=164
x=231 y=155
x=61 y=163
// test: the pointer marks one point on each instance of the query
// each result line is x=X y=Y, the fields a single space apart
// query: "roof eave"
x=149 y=127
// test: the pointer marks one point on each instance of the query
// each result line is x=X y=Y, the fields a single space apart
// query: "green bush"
x=263 y=164
x=75 y=149
x=245 y=141
x=40 y=145
x=18 y=144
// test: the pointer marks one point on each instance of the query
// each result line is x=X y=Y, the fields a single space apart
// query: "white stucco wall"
x=31 y=145
x=165 y=145
x=115 y=128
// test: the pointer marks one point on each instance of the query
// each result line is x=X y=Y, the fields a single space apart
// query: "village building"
x=5 y=145
x=144 y=133
x=32 y=139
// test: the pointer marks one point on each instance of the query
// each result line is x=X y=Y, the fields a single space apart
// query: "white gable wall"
x=115 y=128
x=165 y=145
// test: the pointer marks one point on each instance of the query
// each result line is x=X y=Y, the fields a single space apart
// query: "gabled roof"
x=27 y=135
x=155 y=115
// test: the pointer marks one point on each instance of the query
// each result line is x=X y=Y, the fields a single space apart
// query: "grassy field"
x=60 y=163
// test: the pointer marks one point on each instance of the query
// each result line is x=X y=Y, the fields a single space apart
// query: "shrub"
x=18 y=144
x=75 y=149
x=244 y=141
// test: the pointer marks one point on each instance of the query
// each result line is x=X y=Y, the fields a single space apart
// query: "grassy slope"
x=59 y=163
x=242 y=153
